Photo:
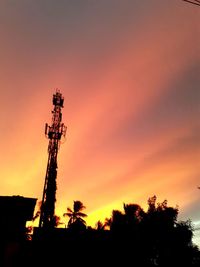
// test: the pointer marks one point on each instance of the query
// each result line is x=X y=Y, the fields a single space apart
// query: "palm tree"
x=76 y=215
x=103 y=225
x=100 y=226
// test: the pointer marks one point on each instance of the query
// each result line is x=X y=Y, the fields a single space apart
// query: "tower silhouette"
x=54 y=133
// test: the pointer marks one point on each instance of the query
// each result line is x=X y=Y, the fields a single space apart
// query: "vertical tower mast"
x=54 y=132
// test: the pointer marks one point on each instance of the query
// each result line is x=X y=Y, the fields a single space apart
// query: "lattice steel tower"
x=54 y=133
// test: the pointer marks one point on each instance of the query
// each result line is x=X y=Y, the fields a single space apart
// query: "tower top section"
x=57 y=129
x=58 y=99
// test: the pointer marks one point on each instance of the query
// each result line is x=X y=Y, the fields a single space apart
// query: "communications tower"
x=54 y=133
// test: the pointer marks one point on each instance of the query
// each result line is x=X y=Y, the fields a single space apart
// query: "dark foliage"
x=131 y=237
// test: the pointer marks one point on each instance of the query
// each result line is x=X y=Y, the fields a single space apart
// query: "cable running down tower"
x=54 y=133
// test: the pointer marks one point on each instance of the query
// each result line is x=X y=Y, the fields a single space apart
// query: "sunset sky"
x=130 y=75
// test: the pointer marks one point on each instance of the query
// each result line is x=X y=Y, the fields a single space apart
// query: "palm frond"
x=69 y=210
x=70 y=221
x=81 y=214
x=78 y=206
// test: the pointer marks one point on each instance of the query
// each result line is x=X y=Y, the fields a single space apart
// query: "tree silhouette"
x=154 y=237
x=100 y=226
x=76 y=215
x=131 y=236
x=152 y=204
x=107 y=223
x=169 y=241
x=133 y=213
x=56 y=221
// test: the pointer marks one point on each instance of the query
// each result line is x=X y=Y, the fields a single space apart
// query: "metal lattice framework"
x=54 y=133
